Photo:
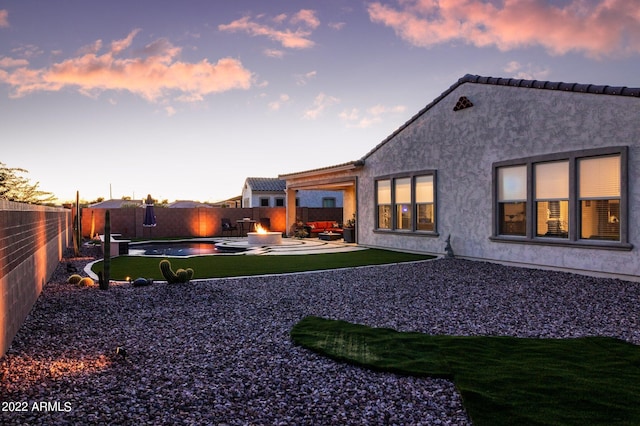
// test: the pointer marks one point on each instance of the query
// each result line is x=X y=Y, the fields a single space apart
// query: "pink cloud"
x=154 y=75
x=4 y=18
x=526 y=71
x=292 y=38
x=597 y=27
x=28 y=51
x=277 y=104
x=118 y=46
x=337 y=25
x=373 y=115
x=307 y=17
x=320 y=103
x=303 y=79
x=13 y=63
x=273 y=53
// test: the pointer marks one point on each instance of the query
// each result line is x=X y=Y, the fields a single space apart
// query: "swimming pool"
x=177 y=248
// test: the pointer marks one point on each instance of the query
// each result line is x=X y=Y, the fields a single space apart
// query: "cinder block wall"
x=32 y=243
x=191 y=222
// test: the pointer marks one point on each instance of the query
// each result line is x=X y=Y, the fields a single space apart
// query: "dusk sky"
x=185 y=99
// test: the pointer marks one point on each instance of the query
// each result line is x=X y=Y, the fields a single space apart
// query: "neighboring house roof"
x=116 y=204
x=515 y=82
x=259 y=184
x=187 y=204
x=228 y=200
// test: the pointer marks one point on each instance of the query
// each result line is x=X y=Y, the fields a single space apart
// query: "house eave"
x=345 y=167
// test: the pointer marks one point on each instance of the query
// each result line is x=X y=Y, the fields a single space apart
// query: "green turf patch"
x=502 y=380
x=244 y=265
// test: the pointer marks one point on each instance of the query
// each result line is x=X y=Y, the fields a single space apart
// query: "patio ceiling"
x=334 y=178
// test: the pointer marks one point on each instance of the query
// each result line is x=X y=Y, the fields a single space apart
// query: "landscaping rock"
x=222 y=354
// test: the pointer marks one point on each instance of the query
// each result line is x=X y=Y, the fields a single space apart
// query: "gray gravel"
x=218 y=352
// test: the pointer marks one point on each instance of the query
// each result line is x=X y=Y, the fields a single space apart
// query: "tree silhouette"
x=14 y=187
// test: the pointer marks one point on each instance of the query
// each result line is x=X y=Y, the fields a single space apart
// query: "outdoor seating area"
x=317 y=227
x=228 y=227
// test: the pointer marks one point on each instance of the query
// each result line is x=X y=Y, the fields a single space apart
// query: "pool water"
x=178 y=248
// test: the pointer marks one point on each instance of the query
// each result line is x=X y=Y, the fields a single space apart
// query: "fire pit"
x=262 y=237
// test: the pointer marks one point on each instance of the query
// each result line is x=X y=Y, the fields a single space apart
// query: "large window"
x=384 y=203
x=406 y=203
x=424 y=203
x=574 y=198
x=552 y=199
x=512 y=200
x=403 y=203
x=599 y=193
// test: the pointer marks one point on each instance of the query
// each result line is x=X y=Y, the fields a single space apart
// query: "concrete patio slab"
x=290 y=246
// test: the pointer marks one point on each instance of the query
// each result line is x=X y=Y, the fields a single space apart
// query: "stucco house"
x=525 y=172
x=270 y=192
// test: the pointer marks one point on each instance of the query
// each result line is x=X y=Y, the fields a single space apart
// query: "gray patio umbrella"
x=149 y=214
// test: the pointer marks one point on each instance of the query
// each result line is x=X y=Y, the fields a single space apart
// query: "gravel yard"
x=218 y=352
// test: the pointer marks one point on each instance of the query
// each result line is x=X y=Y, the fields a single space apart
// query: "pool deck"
x=289 y=246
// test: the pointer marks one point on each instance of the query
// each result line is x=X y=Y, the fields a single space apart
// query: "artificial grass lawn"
x=502 y=380
x=243 y=265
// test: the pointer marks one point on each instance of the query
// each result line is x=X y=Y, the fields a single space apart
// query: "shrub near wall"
x=32 y=243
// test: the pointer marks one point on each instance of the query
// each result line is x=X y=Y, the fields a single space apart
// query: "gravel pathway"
x=218 y=352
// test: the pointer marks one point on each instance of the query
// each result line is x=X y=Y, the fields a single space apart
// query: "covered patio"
x=341 y=177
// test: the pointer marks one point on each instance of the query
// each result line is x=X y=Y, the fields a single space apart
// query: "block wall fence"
x=33 y=240
x=193 y=222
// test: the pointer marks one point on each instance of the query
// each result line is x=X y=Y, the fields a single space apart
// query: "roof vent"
x=463 y=103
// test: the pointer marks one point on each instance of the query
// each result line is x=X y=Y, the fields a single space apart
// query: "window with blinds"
x=599 y=194
x=552 y=199
x=424 y=203
x=407 y=203
x=575 y=198
x=403 y=203
x=512 y=200
x=383 y=189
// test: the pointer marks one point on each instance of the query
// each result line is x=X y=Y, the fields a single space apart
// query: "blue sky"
x=185 y=99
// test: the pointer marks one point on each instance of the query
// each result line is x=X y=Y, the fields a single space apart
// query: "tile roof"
x=549 y=85
x=187 y=204
x=515 y=82
x=117 y=204
x=266 y=184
